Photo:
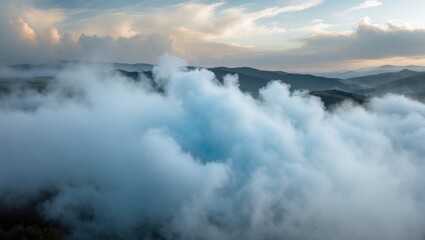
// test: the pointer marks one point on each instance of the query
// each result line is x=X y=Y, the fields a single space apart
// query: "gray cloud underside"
x=368 y=41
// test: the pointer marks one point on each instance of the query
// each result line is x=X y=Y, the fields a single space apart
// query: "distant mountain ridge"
x=251 y=79
x=413 y=87
x=370 y=71
x=331 y=90
x=372 y=81
x=59 y=65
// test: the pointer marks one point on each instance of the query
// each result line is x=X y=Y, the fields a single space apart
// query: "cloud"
x=271 y=12
x=204 y=161
x=365 y=5
x=371 y=41
x=214 y=34
x=317 y=26
x=207 y=20
x=188 y=29
x=327 y=50
x=28 y=33
x=109 y=37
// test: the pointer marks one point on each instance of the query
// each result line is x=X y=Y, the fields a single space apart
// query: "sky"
x=291 y=35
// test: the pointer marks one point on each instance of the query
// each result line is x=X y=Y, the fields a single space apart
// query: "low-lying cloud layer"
x=202 y=160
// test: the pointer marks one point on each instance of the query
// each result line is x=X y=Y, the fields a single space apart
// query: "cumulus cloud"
x=202 y=160
x=214 y=34
x=188 y=29
x=25 y=40
x=373 y=41
x=325 y=49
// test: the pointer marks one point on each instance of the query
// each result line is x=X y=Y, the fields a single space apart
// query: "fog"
x=202 y=160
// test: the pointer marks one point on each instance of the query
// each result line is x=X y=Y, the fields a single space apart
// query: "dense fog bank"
x=202 y=160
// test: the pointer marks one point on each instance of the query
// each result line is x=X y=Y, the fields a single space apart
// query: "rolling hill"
x=413 y=87
x=332 y=97
x=330 y=90
x=372 y=81
x=251 y=79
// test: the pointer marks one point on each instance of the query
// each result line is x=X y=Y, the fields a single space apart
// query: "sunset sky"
x=293 y=35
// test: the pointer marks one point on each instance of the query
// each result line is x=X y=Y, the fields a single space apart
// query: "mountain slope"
x=332 y=97
x=413 y=87
x=362 y=72
x=372 y=81
x=251 y=80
